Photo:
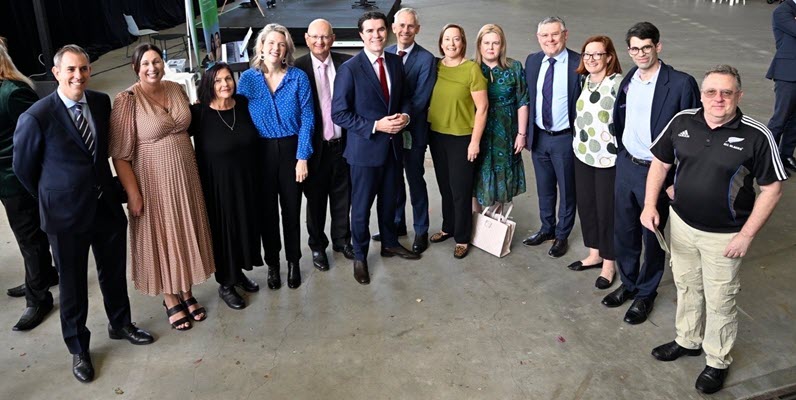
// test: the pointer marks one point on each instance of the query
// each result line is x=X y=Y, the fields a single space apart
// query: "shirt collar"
x=637 y=76
x=731 y=124
x=411 y=47
x=69 y=102
x=372 y=57
x=561 y=58
x=316 y=63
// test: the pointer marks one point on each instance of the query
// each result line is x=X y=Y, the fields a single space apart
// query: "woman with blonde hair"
x=280 y=104
x=500 y=173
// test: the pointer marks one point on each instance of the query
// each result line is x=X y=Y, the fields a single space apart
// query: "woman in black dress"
x=226 y=143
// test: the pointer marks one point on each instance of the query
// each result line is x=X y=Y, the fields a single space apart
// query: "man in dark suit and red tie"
x=61 y=157
x=329 y=179
x=370 y=102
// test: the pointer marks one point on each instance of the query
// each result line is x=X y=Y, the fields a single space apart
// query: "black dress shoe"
x=421 y=243
x=399 y=251
x=376 y=237
x=711 y=380
x=578 y=266
x=538 y=238
x=32 y=317
x=602 y=283
x=347 y=250
x=361 y=273
x=672 y=351
x=247 y=284
x=559 y=248
x=639 y=310
x=82 y=368
x=293 y=275
x=274 y=280
x=231 y=297
x=789 y=162
x=618 y=297
x=320 y=261
x=132 y=333
x=16 y=291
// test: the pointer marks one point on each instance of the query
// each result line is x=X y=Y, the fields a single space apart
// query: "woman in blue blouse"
x=280 y=104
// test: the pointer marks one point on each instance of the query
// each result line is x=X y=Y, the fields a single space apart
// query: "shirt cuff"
x=374 y=127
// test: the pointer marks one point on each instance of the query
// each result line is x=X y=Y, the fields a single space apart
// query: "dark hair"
x=612 y=67
x=371 y=15
x=461 y=31
x=139 y=52
x=206 y=92
x=643 y=30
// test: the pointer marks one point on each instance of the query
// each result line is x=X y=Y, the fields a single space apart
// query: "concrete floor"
x=521 y=327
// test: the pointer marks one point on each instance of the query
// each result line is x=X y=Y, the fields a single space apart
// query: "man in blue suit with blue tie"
x=783 y=72
x=554 y=89
x=371 y=103
x=649 y=97
x=420 y=72
x=61 y=157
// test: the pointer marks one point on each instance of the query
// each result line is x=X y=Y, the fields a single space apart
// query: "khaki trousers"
x=707 y=283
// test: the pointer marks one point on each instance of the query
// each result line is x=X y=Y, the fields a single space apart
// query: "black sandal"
x=199 y=311
x=175 y=310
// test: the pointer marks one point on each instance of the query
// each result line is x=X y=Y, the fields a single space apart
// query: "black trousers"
x=278 y=169
x=455 y=175
x=594 y=189
x=783 y=121
x=108 y=242
x=23 y=218
x=329 y=183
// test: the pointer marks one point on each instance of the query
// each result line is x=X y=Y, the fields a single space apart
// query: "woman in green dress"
x=500 y=174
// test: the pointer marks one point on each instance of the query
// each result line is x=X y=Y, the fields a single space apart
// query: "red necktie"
x=383 y=80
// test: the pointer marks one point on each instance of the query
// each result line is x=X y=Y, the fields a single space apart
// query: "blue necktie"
x=547 y=96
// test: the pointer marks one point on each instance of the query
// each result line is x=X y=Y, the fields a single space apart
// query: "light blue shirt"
x=69 y=103
x=637 y=137
x=560 y=98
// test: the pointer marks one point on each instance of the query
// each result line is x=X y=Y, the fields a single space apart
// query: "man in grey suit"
x=329 y=178
x=421 y=74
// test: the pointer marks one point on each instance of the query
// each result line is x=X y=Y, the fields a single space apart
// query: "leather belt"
x=555 y=133
x=333 y=142
x=638 y=161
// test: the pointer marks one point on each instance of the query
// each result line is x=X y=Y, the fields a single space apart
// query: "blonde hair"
x=503 y=62
x=9 y=71
x=257 y=60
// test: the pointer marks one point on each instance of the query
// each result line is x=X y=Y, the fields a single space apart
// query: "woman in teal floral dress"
x=500 y=173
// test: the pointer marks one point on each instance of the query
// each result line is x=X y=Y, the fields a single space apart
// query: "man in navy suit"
x=370 y=103
x=783 y=72
x=61 y=157
x=329 y=179
x=554 y=90
x=421 y=73
x=649 y=97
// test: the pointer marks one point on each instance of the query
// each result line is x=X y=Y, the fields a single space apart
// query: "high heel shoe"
x=274 y=281
x=175 y=310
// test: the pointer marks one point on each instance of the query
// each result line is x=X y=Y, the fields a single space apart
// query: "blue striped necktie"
x=547 y=96
x=83 y=128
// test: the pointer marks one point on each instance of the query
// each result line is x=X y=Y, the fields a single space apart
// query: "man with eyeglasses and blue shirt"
x=649 y=96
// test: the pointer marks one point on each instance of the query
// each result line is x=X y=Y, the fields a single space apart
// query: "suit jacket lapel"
x=370 y=74
x=61 y=115
x=659 y=98
x=395 y=72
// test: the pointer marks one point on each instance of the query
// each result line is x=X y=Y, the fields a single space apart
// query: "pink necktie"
x=326 y=104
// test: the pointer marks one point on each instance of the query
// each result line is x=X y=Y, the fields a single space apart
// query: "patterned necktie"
x=383 y=80
x=83 y=128
x=547 y=96
x=326 y=103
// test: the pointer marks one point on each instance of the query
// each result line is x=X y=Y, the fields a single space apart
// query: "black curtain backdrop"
x=96 y=25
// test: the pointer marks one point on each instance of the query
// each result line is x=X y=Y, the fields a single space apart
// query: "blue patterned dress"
x=500 y=173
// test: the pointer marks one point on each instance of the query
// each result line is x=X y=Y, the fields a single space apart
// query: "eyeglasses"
x=593 y=56
x=726 y=94
x=645 y=49
x=321 y=37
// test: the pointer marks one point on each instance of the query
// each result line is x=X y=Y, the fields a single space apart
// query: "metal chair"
x=132 y=27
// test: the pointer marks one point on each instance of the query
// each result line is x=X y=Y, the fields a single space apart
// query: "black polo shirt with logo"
x=716 y=168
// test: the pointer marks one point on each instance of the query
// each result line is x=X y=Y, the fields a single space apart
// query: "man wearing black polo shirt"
x=719 y=154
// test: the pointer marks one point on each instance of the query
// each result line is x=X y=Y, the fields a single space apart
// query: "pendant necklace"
x=234 y=119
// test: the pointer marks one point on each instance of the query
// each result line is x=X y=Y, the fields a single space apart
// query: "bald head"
x=319 y=37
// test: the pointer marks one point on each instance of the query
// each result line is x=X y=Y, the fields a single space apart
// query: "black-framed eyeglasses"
x=593 y=56
x=726 y=93
x=645 y=49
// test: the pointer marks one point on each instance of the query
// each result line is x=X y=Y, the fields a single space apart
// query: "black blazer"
x=52 y=162
x=304 y=63
x=532 y=65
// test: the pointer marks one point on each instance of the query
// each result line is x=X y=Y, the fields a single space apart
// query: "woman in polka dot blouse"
x=595 y=152
x=280 y=104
